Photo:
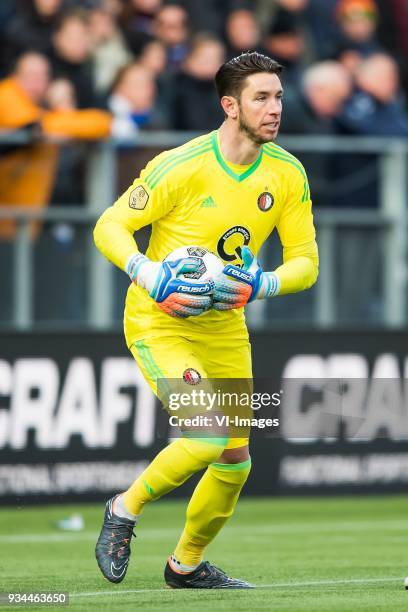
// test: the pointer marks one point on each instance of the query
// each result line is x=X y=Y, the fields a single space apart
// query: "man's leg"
x=212 y=503
x=216 y=495
x=170 y=468
x=166 y=360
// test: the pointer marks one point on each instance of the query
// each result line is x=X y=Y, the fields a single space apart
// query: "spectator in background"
x=137 y=21
x=133 y=101
x=312 y=109
x=23 y=101
x=22 y=93
x=325 y=87
x=115 y=7
x=71 y=56
x=195 y=104
x=242 y=32
x=374 y=108
x=60 y=95
x=268 y=11
x=27 y=173
x=285 y=43
x=171 y=27
x=110 y=50
x=32 y=28
x=154 y=57
x=392 y=31
x=320 y=20
x=293 y=5
x=358 y=20
x=209 y=16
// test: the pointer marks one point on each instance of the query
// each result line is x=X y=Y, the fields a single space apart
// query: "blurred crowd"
x=150 y=63
x=80 y=70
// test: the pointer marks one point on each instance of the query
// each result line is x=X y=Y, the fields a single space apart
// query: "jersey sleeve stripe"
x=172 y=156
x=176 y=161
x=289 y=160
x=276 y=149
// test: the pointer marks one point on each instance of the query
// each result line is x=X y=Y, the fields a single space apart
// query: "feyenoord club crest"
x=265 y=201
x=191 y=376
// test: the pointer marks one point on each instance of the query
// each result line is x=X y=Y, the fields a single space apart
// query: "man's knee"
x=234 y=455
x=207 y=450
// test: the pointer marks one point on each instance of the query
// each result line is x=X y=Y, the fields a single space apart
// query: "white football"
x=209 y=265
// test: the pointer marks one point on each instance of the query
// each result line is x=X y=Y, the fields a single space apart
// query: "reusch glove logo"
x=240 y=274
x=195 y=289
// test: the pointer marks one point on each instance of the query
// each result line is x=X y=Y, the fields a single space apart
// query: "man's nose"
x=275 y=108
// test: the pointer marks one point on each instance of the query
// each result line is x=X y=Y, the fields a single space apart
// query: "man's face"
x=260 y=107
x=138 y=87
x=73 y=41
x=33 y=75
x=47 y=8
x=171 y=25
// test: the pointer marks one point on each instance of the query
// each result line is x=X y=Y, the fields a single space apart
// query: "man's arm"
x=113 y=234
x=296 y=230
x=137 y=207
x=300 y=268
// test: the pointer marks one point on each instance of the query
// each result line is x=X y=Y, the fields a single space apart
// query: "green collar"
x=220 y=159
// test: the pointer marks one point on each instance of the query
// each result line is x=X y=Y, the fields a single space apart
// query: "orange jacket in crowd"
x=17 y=110
x=27 y=173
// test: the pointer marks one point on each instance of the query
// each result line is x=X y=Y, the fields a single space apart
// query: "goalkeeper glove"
x=177 y=297
x=235 y=286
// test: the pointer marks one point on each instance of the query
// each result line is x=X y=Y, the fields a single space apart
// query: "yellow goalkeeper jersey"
x=192 y=196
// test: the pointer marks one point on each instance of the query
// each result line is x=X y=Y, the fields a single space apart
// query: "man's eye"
x=261 y=98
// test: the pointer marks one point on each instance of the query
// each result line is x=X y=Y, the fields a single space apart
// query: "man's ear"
x=230 y=106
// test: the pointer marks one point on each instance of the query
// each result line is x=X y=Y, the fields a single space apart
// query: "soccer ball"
x=209 y=264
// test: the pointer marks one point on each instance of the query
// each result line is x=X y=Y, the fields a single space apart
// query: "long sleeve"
x=296 y=230
x=139 y=206
x=300 y=268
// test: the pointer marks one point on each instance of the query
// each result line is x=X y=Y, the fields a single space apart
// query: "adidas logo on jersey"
x=208 y=203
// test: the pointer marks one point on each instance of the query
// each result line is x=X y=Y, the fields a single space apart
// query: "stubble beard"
x=249 y=131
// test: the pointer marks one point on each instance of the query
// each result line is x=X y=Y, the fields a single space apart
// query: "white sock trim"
x=120 y=509
x=177 y=566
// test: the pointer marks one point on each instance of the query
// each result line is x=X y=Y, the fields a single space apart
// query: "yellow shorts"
x=175 y=357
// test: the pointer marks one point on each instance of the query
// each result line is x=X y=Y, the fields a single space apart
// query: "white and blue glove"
x=235 y=286
x=178 y=297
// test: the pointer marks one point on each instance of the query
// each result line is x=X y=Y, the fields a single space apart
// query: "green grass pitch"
x=337 y=554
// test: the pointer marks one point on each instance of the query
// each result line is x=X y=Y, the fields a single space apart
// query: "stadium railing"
x=389 y=219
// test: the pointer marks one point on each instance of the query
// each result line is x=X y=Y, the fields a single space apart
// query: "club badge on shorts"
x=191 y=376
x=265 y=201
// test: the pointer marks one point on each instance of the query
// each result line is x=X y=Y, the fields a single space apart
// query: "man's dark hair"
x=230 y=78
x=75 y=14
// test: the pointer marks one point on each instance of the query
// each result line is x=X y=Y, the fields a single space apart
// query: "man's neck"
x=236 y=147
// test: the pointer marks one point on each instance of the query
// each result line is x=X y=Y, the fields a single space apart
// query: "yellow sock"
x=211 y=505
x=170 y=468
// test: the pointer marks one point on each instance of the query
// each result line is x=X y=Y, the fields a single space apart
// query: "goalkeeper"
x=225 y=191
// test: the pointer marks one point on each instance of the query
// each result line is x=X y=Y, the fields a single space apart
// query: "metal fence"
x=387 y=226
